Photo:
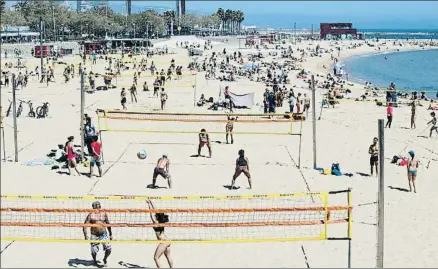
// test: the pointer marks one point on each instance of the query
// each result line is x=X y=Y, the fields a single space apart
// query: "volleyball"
x=142 y=155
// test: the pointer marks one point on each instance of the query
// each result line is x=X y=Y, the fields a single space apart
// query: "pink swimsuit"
x=70 y=154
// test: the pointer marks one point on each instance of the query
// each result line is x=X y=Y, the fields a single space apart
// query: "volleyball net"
x=214 y=123
x=194 y=219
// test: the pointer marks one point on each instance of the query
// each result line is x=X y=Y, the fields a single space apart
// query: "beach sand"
x=343 y=135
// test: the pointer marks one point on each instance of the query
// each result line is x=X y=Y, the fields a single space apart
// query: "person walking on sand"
x=71 y=156
x=413 y=115
x=389 y=114
x=433 y=122
x=242 y=166
x=374 y=158
x=412 y=170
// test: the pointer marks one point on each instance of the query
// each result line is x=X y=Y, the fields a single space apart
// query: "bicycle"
x=20 y=108
x=31 y=111
x=42 y=111
x=8 y=112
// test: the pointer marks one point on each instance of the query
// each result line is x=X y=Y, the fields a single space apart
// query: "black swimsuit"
x=241 y=162
x=158 y=229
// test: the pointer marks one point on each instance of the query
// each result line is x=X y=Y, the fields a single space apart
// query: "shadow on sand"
x=398 y=189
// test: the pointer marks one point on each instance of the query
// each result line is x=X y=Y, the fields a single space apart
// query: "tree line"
x=59 y=20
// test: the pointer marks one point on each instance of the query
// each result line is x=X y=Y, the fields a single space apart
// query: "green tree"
x=221 y=14
x=2 y=6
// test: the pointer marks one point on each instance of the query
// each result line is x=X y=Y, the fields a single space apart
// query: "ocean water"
x=413 y=70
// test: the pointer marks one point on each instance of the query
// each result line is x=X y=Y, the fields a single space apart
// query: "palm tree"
x=169 y=17
x=228 y=15
x=240 y=19
x=221 y=14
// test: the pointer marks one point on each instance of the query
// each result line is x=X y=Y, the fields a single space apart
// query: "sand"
x=343 y=135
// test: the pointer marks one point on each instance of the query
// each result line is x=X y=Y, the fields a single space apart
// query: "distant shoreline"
x=358 y=80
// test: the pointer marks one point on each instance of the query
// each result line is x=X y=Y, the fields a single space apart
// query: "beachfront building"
x=17 y=34
x=336 y=31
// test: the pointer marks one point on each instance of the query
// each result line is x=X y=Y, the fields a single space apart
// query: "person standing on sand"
x=413 y=115
x=123 y=98
x=71 y=156
x=96 y=156
x=162 y=248
x=98 y=232
x=412 y=170
x=204 y=140
x=433 y=122
x=242 y=166
x=229 y=128
x=291 y=102
x=389 y=114
x=162 y=169
x=374 y=158
x=163 y=98
x=306 y=105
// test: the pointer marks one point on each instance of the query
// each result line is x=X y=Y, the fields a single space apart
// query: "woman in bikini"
x=242 y=166
x=71 y=156
x=229 y=128
x=162 y=248
x=412 y=170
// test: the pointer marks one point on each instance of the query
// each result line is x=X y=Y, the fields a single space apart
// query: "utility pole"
x=381 y=197
x=41 y=44
x=81 y=122
x=14 y=113
x=314 y=120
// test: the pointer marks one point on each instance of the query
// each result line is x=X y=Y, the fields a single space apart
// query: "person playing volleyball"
x=98 y=233
x=204 y=139
x=242 y=166
x=162 y=169
x=229 y=128
x=162 y=248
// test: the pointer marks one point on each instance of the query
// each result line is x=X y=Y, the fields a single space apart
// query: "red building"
x=338 y=31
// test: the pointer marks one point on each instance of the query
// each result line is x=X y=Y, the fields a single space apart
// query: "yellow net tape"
x=191 y=123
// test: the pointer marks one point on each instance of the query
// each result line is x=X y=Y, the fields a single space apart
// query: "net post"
x=194 y=91
x=81 y=122
x=2 y=134
x=314 y=120
x=350 y=224
x=100 y=136
x=326 y=215
x=299 y=149
x=14 y=113
x=381 y=196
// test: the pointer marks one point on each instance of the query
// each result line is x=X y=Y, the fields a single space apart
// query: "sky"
x=283 y=14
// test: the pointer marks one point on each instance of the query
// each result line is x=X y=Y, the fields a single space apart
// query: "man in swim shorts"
x=98 y=233
x=374 y=158
x=204 y=140
x=96 y=156
x=412 y=170
x=162 y=169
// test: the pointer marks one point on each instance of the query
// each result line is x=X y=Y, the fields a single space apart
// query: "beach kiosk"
x=44 y=50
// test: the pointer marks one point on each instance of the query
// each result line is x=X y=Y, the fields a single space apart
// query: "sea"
x=410 y=70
